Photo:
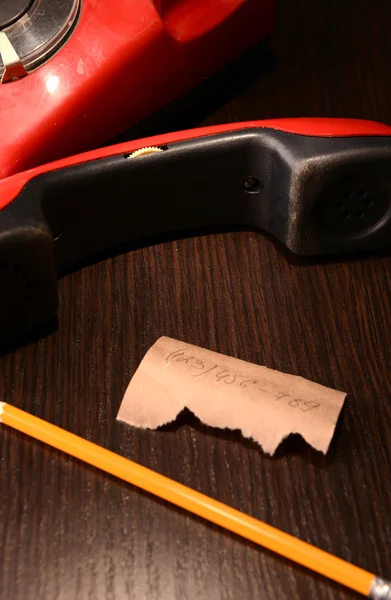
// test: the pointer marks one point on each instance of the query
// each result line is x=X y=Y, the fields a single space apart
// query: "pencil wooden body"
x=190 y=500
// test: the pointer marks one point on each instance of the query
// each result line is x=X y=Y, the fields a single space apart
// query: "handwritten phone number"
x=226 y=376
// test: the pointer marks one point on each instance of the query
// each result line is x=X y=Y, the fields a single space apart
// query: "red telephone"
x=321 y=186
x=75 y=73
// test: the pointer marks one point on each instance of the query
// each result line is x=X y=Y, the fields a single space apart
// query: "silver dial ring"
x=40 y=32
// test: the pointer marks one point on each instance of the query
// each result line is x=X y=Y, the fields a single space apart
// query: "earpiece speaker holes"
x=355 y=203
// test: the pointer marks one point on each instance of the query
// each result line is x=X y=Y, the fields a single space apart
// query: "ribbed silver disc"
x=33 y=31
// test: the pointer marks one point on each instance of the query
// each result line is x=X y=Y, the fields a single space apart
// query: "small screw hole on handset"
x=362 y=193
x=252 y=185
x=341 y=205
x=368 y=202
x=346 y=215
x=360 y=214
x=348 y=194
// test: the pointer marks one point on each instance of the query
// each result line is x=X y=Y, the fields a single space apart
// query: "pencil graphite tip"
x=380 y=590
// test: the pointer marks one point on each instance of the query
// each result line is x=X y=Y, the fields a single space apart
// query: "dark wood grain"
x=69 y=532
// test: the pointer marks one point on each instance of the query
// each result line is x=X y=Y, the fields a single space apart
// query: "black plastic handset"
x=316 y=195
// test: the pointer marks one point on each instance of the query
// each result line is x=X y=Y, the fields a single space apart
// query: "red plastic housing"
x=11 y=186
x=124 y=60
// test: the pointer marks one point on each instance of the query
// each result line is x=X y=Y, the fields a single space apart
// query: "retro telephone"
x=75 y=73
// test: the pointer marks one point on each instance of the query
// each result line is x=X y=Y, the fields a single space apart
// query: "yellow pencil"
x=233 y=520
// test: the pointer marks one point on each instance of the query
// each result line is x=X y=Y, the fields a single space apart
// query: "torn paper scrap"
x=265 y=405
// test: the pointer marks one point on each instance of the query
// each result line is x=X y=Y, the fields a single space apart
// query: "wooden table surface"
x=70 y=532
